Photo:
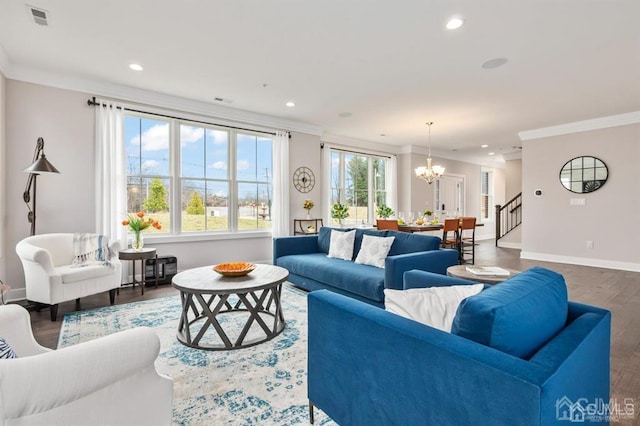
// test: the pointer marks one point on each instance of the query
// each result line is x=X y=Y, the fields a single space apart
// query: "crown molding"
x=154 y=99
x=582 y=126
x=364 y=144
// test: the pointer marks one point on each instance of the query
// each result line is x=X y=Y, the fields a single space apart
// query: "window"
x=196 y=177
x=486 y=196
x=355 y=180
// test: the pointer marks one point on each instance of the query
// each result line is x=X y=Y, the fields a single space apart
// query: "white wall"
x=553 y=229
x=3 y=179
x=513 y=178
x=304 y=151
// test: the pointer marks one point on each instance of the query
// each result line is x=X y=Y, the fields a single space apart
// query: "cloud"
x=190 y=134
x=156 y=138
x=243 y=164
x=218 y=136
x=149 y=165
x=219 y=165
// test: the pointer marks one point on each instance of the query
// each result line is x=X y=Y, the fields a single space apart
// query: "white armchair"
x=49 y=277
x=110 y=380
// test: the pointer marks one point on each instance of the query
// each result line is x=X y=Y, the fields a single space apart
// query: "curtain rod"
x=92 y=102
x=361 y=153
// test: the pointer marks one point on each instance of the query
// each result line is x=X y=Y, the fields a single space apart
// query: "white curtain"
x=111 y=177
x=326 y=184
x=392 y=183
x=280 y=219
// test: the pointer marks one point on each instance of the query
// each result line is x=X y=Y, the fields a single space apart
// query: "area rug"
x=260 y=385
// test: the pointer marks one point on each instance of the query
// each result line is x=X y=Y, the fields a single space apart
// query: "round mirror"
x=583 y=174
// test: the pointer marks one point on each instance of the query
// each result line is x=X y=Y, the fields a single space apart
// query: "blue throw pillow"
x=6 y=352
x=517 y=316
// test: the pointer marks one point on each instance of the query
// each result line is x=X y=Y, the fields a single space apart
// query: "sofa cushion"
x=374 y=250
x=433 y=306
x=70 y=274
x=517 y=316
x=363 y=280
x=341 y=245
x=411 y=243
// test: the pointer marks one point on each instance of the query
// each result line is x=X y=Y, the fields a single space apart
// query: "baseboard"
x=582 y=261
x=505 y=244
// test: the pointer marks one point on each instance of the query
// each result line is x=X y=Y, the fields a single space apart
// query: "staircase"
x=508 y=217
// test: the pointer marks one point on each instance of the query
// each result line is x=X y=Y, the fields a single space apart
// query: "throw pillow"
x=433 y=306
x=374 y=250
x=341 y=244
x=6 y=352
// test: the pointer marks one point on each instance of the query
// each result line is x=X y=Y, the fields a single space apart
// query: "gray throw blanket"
x=90 y=249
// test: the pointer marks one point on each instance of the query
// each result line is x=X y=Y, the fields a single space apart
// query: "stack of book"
x=488 y=271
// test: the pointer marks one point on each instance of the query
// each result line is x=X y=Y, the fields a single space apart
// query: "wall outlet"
x=589 y=244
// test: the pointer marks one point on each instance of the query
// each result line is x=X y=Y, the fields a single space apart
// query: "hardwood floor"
x=618 y=291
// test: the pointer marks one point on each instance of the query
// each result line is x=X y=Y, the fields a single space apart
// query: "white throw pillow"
x=433 y=306
x=341 y=244
x=374 y=250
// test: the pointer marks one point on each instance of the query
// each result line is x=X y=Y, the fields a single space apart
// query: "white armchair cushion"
x=71 y=273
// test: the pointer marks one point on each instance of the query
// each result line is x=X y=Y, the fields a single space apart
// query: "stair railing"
x=508 y=217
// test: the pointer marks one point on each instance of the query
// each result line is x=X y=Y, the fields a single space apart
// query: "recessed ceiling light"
x=494 y=63
x=290 y=104
x=136 y=67
x=454 y=23
x=484 y=146
x=491 y=153
x=345 y=115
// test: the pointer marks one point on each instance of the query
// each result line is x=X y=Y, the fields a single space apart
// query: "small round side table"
x=141 y=255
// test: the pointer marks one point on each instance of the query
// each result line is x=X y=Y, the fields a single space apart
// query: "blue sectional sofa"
x=519 y=354
x=305 y=257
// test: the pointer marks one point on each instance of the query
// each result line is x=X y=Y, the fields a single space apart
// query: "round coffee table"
x=222 y=313
x=460 y=271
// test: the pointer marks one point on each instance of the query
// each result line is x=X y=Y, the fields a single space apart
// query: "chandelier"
x=429 y=173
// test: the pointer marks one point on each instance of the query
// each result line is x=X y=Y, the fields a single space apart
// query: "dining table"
x=411 y=228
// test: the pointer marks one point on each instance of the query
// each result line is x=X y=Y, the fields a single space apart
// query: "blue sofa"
x=305 y=257
x=528 y=357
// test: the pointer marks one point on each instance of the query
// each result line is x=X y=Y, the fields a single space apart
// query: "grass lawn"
x=195 y=223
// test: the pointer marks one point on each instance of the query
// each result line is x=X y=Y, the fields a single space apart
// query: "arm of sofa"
x=436 y=261
x=15 y=327
x=47 y=383
x=36 y=257
x=385 y=369
x=284 y=246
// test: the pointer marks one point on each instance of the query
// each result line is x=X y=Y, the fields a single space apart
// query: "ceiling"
x=392 y=65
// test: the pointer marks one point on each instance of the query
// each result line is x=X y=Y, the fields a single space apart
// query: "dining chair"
x=468 y=240
x=387 y=224
x=451 y=226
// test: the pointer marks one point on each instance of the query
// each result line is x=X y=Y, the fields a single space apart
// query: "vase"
x=137 y=242
x=308 y=214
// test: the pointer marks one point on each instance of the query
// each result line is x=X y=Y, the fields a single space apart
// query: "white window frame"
x=175 y=182
x=490 y=194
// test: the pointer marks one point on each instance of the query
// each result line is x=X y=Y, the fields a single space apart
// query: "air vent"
x=226 y=101
x=40 y=16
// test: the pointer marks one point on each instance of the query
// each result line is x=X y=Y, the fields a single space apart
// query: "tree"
x=157 y=200
x=195 y=206
x=358 y=172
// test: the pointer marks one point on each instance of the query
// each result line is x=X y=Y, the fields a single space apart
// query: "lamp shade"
x=41 y=165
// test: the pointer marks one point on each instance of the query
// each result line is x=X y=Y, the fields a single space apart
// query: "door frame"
x=463 y=195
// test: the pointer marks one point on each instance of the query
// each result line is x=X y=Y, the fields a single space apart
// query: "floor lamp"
x=40 y=165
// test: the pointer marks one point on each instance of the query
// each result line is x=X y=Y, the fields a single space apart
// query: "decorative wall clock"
x=304 y=179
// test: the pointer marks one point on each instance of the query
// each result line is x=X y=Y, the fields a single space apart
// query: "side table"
x=300 y=226
x=141 y=255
